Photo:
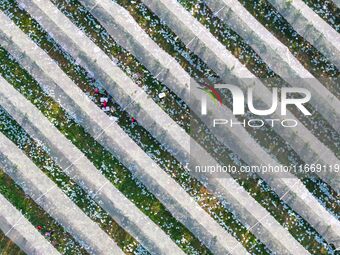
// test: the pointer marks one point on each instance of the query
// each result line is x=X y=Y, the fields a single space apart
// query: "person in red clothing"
x=104 y=104
x=96 y=91
x=39 y=227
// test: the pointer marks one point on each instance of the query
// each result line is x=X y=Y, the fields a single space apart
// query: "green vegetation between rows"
x=168 y=41
x=310 y=57
x=102 y=159
x=327 y=10
x=237 y=46
x=309 y=182
x=155 y=150
x=247 y=56
x=171 y=104
x=210 y=203
x=195 y=67
x=37 y=154
x=59 y=238
x=161 y=34
x=257 y=188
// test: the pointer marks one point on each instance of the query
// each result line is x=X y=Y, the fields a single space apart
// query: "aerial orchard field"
x=165 y=127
